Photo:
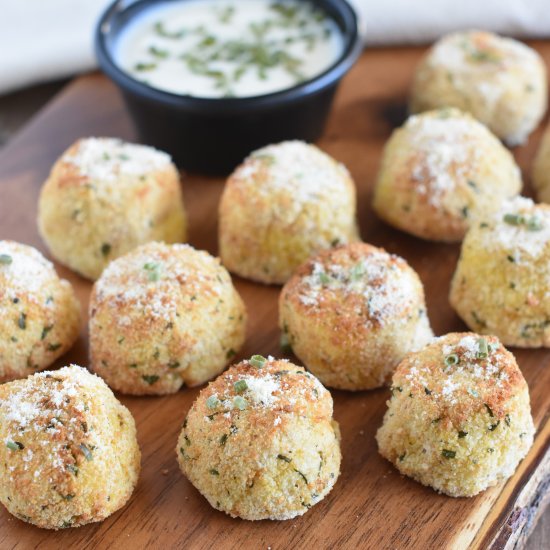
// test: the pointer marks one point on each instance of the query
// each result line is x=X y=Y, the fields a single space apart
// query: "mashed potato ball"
x=459 y=419
x=39 y=312
x=501 y=81
x=161 y=316
x=284 y=203
x=103 y=198
x=68 y=453
x=541 y=169
x=500 y=285
x=438 y=170
x=352 y=313
x=260 y=442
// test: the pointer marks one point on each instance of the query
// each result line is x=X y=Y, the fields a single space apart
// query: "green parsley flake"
x=452 y=359
x=240 y=403
x=257 y=361
x=5 y=259
x=448 y=454
x=212 y=402
x=240 y=386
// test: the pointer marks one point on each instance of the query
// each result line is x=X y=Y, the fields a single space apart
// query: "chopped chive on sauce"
x=448 y=454
x=452 y=359
x=257 y=361
x=240 y=385
x=214 y=472
x=240 y=403
x=86 y=451
x=212 y=402
x=5 y=259
x=105 y=249
x=284 y=458
x=462 y=434
x=324 y=279
x=15 y=445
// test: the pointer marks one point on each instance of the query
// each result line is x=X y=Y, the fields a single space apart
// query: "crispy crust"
x=351 y=331
x=87 y=221
x=433 y=189
x=502 y=82
x=273 y=459
x=161 y=316
x=39 y=313
x=459 y=427
x=271 y=220
x=69 y=454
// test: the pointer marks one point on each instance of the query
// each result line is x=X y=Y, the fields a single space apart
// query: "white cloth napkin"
x=47 y=39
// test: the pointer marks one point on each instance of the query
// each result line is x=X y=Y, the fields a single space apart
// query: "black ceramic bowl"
x=214 y=135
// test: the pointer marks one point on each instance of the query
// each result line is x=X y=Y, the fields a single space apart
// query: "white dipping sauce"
x=228 y=48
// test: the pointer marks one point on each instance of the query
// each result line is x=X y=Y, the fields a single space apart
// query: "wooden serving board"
x=372 y=505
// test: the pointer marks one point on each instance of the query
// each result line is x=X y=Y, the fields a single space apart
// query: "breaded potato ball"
x=459 y=419
x=69 y=454
x=500 y=285
x=39 y=312
x=103 y=198
x=161 y=316
x=352 y=313
x=438 y=170
x=500 y=81
x=260 y=442
x=284 y=203
x=541 y=169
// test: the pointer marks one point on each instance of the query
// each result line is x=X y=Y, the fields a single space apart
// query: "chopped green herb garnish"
x=257 y=361
x=214 y=472
x=483 y=349
x=462 y=434
x=240 y=385
x=494 y=426
x=150 y=378
x=174 y=365
x=153 y=270
x=357 y=271
x=45 y=331
x=324 y=278
x=489 y=410
x=212 y=402
x=145 y=67
x=105 y=249
x=223 y=439
x=157 y=52
x=5 y=259
x=448 y=454
x=86 y=451
x=15 y=445
x=240 y=403
x=284 y=458
x=507 y=420
x=514 y=219
x=53 y=347
x=452 y=359
x=22 y=321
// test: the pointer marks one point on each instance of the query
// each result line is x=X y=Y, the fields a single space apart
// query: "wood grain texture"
x=372 y=505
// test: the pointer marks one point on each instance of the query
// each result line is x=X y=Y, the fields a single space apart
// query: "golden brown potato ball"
x=352 y=313
x=438 y=171
x=500 y=81
x=500 y=285
x=284 y=203
x=163 y=316
x=459 y=418
x=103 y=198
x=260 y=442
x=69 y=454
x=39 y=312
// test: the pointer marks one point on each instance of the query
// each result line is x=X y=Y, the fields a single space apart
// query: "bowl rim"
x=350 y=53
